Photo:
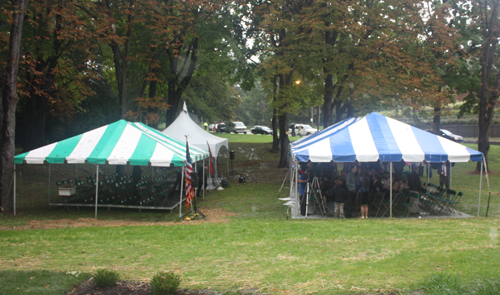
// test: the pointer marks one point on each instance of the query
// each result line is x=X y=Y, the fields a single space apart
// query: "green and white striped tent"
x=119 y=143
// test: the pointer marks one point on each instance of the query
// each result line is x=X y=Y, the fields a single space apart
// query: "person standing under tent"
x=444 y=175
x=303 y=180
x=350 y=181
x=363 y=193
x=415 y=185
x=340 y=196
x=414 y=182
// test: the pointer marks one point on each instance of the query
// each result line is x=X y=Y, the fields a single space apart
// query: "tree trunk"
x=327 y=101
x=276 y=145
x=284 y=141
x=274 y=122
x=488 y=95
x=9 y=104
x=174 y=98
x=176 y=85
x=33 y=123
x=437 y=119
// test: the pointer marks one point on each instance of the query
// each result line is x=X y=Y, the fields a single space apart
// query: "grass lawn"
x=248 y=242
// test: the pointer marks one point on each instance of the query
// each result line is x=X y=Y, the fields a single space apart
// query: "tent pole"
x=480 y=185
x=450 y=176
x=297 y=197
x=196 y=171
x=390 y=189
x=15 y=187
x=182 y=190
x=428 y=171
x=203 y=187
x=227 y=162
x=216 y=173
x=49 y=185
x=96 y=188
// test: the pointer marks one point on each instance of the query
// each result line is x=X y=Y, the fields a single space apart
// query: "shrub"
x=105 y=278
x=443 y=284
x=165 y=283
x=486 y=287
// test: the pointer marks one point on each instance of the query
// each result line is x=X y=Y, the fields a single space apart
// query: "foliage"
x=443 y=284
x=105 y=278
x=165 y=283
x=59 y=53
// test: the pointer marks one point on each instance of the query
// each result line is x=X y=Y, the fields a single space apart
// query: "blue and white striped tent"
x=376 y=137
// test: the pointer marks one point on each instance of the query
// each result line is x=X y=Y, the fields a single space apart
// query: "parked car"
x=454 y=137
x=300 y=129
x=211 y=127
x=236 y=127
x=447 y=134
x=261 y=130
x=221 y=128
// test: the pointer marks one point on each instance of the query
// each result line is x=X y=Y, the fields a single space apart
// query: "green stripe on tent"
x=107 y=143
x=63 y=149
x=145 y=149
x=200 y=154
x=178 y=161
x=19 y=159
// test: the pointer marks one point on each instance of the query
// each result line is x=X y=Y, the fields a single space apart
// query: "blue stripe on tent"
x=430 y=145
x=383 y=138
x=475 y=155
x=329 y=131
x=342 y=149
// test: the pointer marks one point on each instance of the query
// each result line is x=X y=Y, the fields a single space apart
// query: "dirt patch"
x=214 y=215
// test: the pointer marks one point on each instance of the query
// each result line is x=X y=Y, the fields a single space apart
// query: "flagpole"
x=96 y=188
x=203 y=187
x=182 y=189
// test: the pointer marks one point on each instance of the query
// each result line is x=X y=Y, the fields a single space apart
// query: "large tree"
x=369 y=55
x=478 y=70
x=8 y=91
x=57 y=51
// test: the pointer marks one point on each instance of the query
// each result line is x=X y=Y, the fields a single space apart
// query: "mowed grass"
x=258 y=248
x=273 y=255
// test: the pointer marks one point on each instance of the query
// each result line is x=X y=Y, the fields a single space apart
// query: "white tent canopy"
x=184 y=126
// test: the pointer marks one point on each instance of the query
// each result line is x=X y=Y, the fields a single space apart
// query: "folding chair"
x=396 y=202
x=414 y=202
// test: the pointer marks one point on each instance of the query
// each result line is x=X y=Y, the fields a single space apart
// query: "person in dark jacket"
x=414 y=182
x=351 y=181
x=340 y=198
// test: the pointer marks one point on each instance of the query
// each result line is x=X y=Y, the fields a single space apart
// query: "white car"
x=301 y=130
x=236 y=127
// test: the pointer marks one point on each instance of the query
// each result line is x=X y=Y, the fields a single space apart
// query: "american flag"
x=187 y=177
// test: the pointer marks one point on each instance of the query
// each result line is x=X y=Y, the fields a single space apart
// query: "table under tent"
x=373 y=138
x=184 y=126
x=119 y=143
